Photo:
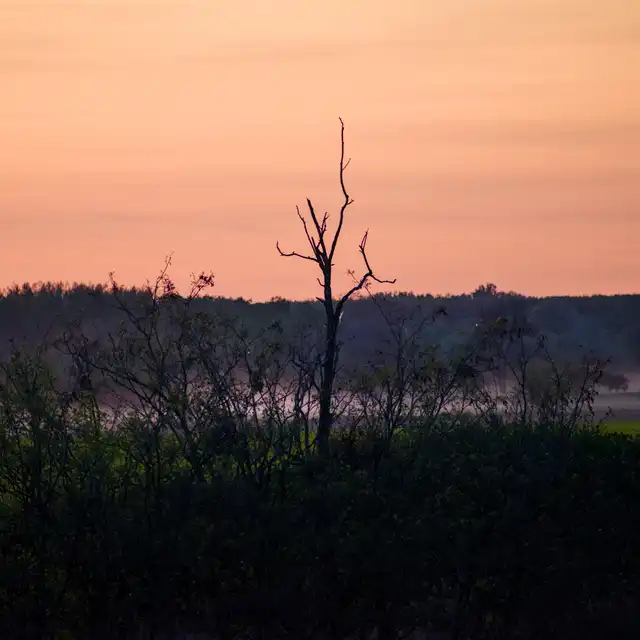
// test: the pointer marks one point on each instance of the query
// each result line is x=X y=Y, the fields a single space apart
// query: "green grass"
x=627 y=427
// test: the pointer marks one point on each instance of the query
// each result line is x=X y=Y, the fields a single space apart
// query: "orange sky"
x=492 y=140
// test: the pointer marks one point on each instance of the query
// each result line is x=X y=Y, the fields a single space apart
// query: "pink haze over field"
x=492 y=140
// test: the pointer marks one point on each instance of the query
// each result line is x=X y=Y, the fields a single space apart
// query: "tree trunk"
x=325 y=419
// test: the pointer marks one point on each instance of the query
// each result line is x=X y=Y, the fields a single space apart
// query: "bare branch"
x=291 y=254
x=363 y=251
x=347 y=199
x=312 y=241
x=319 y=253
x=364 y=280
x=320 y=227
x=325 y=218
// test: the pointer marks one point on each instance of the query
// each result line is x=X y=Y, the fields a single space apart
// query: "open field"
x=627 y=427
x=625 y=408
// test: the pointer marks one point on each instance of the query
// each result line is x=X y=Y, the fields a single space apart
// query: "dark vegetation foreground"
x=476 y=531
x=189 y=511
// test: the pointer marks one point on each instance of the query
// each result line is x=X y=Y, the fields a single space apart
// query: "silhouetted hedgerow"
x=128 y=525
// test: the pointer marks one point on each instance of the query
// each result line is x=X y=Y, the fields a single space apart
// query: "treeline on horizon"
x=607 y=326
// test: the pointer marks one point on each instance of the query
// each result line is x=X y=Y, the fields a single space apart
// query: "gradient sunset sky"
x=492 y=140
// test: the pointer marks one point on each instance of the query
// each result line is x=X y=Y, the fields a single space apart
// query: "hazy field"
x=625 y=408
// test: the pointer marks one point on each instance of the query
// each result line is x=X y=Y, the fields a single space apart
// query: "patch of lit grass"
x=626 y=427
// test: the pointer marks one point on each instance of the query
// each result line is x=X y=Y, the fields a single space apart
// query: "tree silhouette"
x=323 y=250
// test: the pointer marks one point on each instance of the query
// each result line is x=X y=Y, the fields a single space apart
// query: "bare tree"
x=323 y=250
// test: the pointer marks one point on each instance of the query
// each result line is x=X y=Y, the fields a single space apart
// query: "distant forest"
x=602 y=326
